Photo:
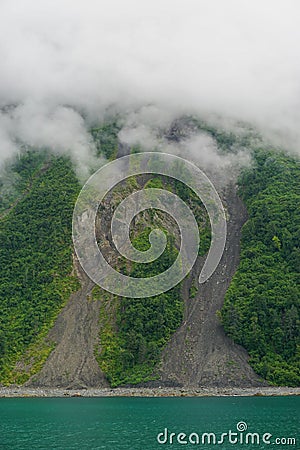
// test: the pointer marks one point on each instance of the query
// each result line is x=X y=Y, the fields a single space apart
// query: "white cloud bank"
x=238 y=59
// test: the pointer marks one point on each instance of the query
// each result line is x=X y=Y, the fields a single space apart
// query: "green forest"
x=36 y=261
x=261 y=309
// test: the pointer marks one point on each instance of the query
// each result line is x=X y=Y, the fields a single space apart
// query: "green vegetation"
x=134 y=331
x=106 y=138
x=261 y=309
x=36 y=262
x=193 y=289
x=17 y=177
x=191 y=199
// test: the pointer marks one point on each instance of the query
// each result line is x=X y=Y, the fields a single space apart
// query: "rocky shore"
x=147 y=392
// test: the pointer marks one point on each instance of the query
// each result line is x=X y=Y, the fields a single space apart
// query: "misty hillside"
x=239 y=329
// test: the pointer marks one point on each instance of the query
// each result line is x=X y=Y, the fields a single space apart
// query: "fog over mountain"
x=66 y=64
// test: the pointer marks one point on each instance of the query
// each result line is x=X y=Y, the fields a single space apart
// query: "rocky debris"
x=147 y=392
x=72 y=363
x=199 y=353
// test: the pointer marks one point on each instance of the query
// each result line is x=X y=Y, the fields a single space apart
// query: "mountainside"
x=55 y=332
x=207 y=356
x=261 y=310
x=36 y=261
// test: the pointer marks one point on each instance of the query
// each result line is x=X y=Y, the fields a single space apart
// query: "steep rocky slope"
x=72 y=363
x=200 y=354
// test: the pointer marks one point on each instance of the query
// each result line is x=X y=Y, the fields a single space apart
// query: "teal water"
x=134 y=423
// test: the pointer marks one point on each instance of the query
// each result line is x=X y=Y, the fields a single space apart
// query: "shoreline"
x=26 y=392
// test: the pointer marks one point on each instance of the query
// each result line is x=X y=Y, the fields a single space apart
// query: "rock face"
x=200 y=354
x=72 y=363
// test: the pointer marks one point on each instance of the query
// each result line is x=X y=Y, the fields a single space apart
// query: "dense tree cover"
x=105 y=137
x=261 y=309
x=36 y=261
x=17 y=176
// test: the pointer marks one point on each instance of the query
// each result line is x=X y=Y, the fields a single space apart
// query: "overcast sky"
x=238 y=59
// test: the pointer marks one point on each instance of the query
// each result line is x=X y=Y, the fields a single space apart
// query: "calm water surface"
x=134 y=423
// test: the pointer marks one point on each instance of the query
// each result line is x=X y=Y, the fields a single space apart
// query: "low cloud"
x=66 y=64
